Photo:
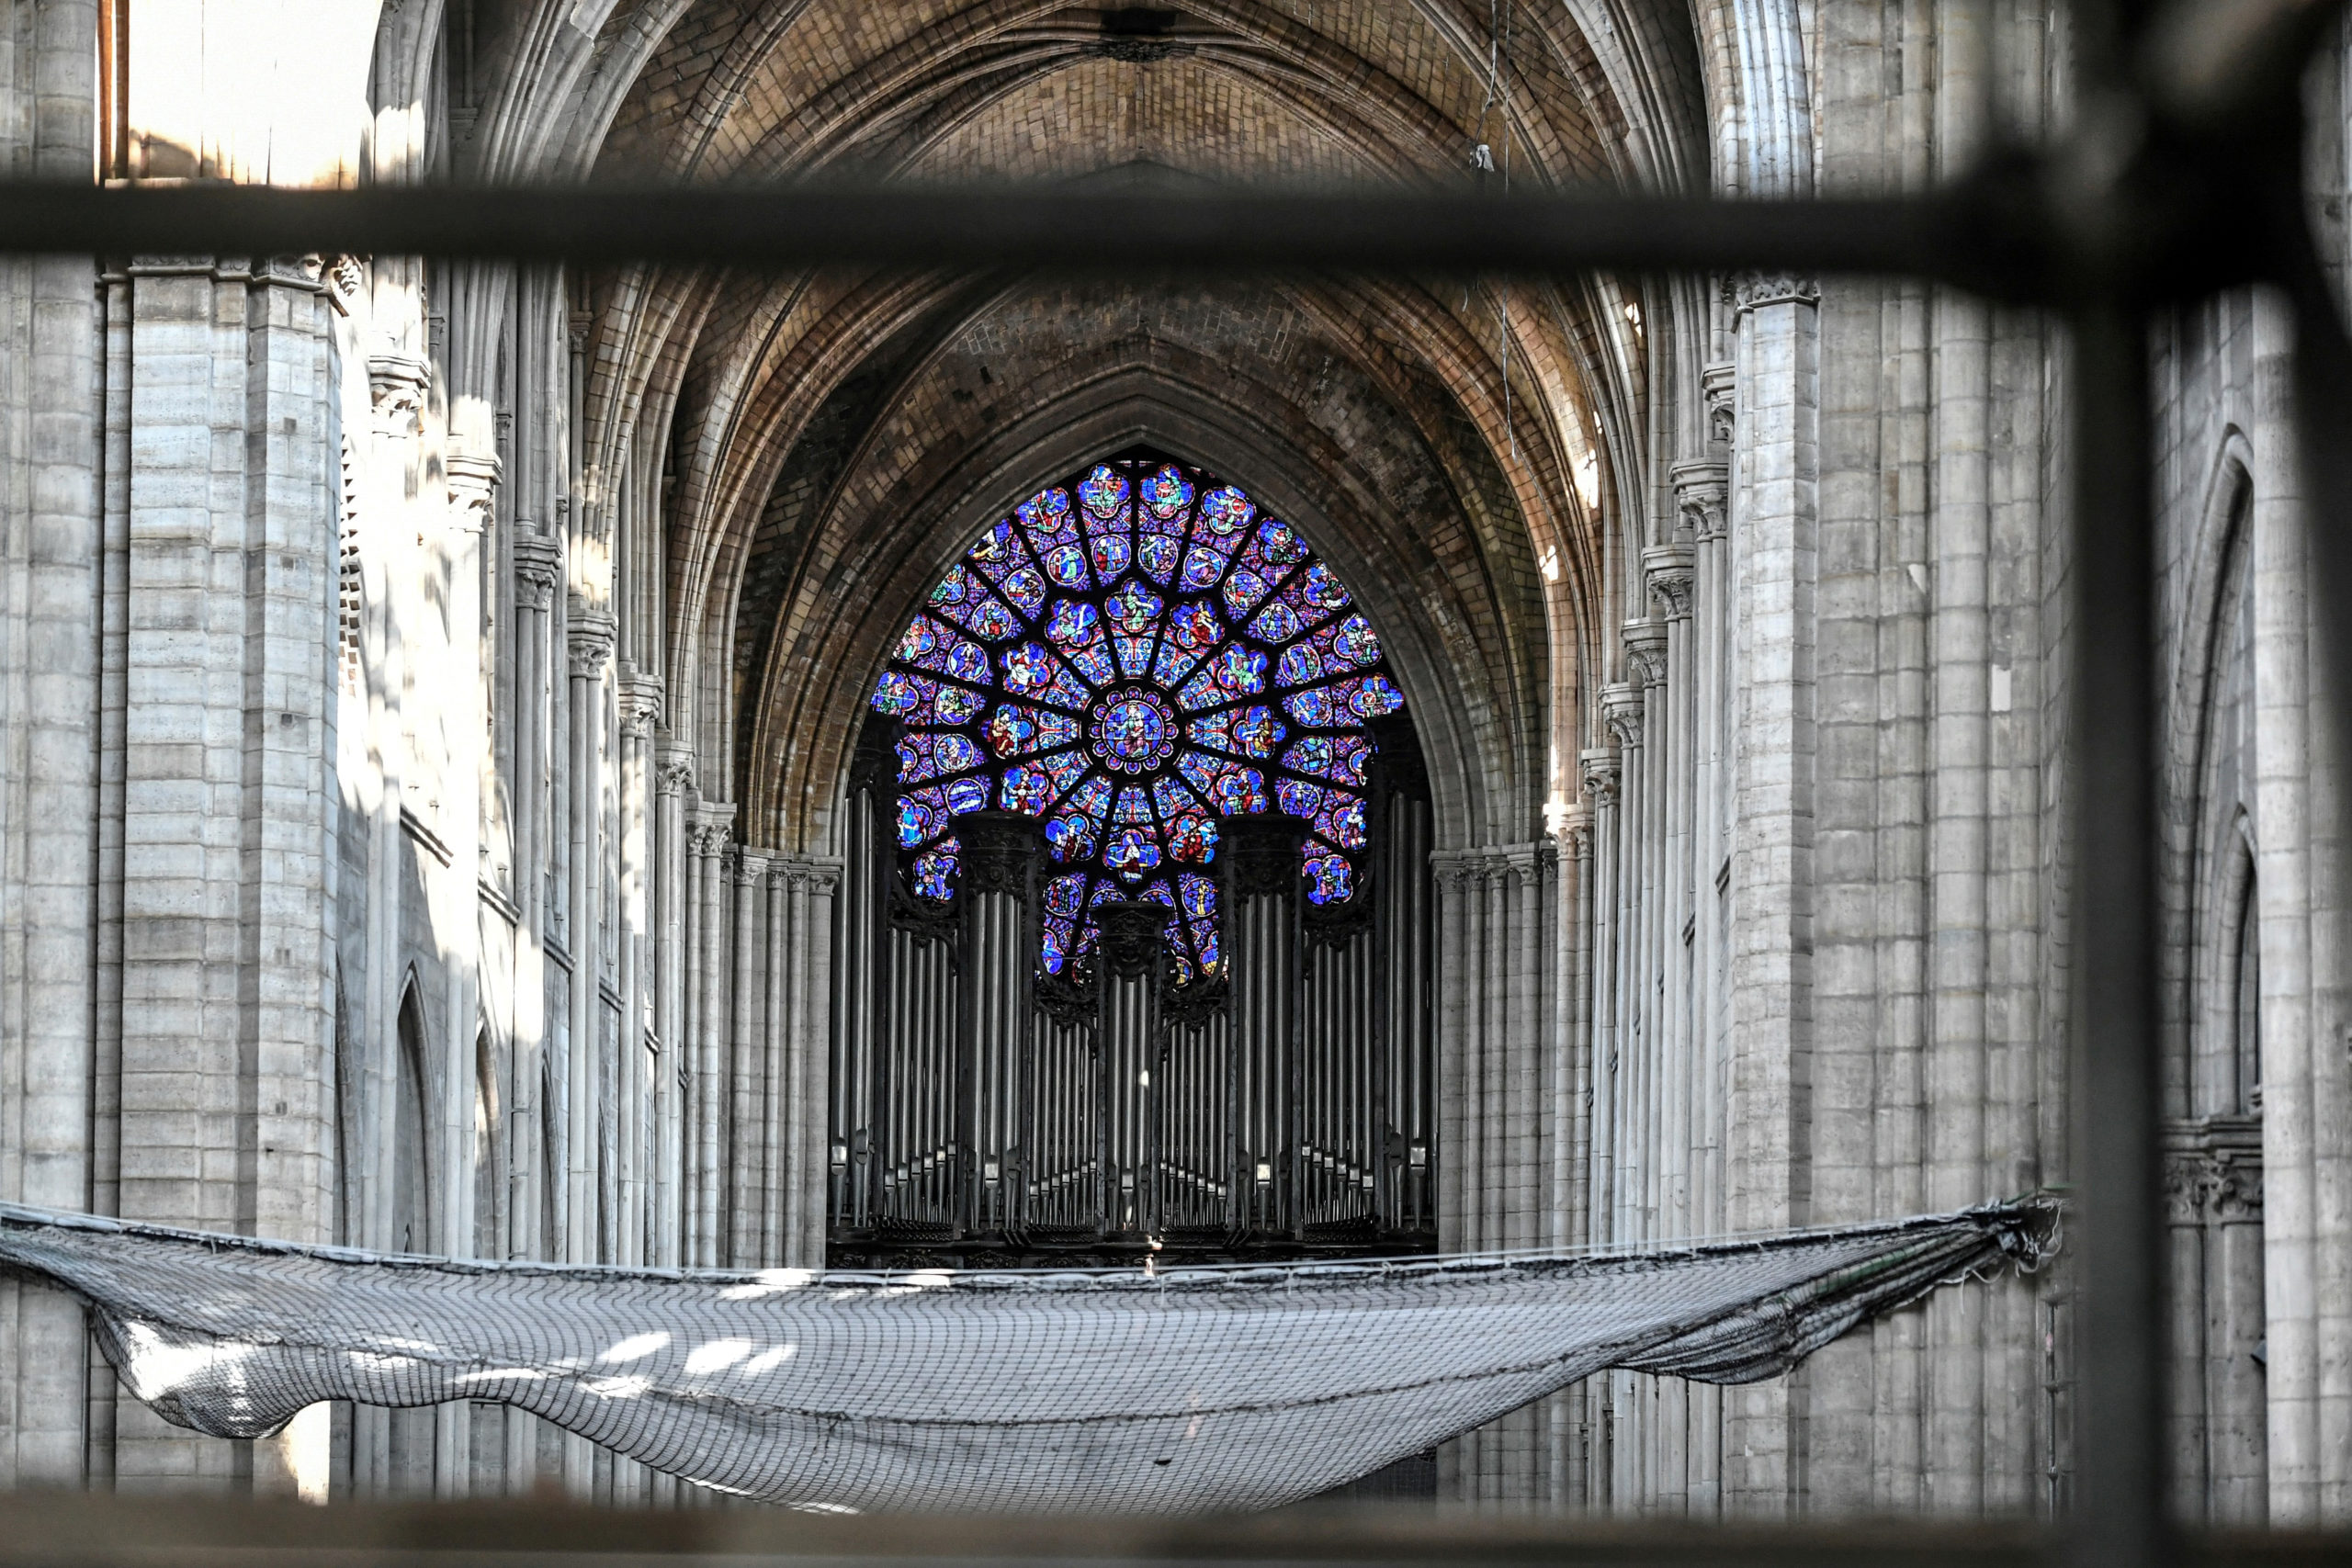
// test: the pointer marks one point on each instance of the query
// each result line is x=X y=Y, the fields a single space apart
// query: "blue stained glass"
x=1345 y=758
x=1132 y=852
x=927 y=756
x=1225 y=511
x=1133 y=608
x=1158 y=554
x=1168 y=493
x=1077 y=630
x=1298 y=798
x=1065 y=895
x=1341 y=819
x=1275 y=623
x=1104 y=492
x=1240 y=671
x=934 y=873
x=1203 y=565
x=1314 y=592
x=1192 y=837
x=984 y=614
x=922 y=817
x=1095 y=726
x=1033 y=672
x=1330 y=878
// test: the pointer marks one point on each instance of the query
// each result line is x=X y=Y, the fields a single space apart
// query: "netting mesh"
x=1185 y=1390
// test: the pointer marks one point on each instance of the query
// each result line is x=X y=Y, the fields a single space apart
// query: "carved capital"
x=640 y=701
x=1645 y=651
x=589 y=642
x=1001 y=852
x=1756 y=288
x=1716 y=383
x=1667 y=566
x=396 y=384
x=1601 y=769
x=1576 y=834
x=2234 y=1191
x=2185 y=1180
x=1135 y=935
x=1620 y=710
x=674 y=773
x=538 y=567
x=1260 y=855
x=1703 y=493
x=816 y=874
x=473 y=491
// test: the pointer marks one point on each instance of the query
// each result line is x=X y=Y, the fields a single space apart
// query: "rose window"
x=1128 y=658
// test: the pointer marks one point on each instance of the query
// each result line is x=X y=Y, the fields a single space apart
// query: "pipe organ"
x=1281 y=1103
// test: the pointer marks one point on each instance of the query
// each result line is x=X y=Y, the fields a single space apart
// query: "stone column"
x=674 y=782
x=812 y=881
x=1261 y=859
x=590 y=648
x=640 y=711
x=1002 y=852
x=706 y=966
x=1776 y=515
x=50 y=583
x=748 y=1129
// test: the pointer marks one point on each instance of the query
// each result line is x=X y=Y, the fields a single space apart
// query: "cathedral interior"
x=692 y=766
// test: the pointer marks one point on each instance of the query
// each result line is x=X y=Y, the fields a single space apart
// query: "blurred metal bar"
x=61 y=1528
x=2117 y=945
x=1949 y=235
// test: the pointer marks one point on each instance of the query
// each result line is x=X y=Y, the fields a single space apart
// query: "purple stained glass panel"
x=1164 y=655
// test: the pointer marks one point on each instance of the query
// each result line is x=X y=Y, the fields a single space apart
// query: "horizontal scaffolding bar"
x=1946 y=236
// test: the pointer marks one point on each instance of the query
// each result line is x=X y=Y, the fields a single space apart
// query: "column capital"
x=818 y=874
x=1620 y=710
x=1717 y=384
x=589 y=640
x=673 y=770
x=1667 y=566
x=538 y=567
x=1645 y=651
x=396 y=384
x=1757 y=287
x=641 y=698
x=1702 y=492
x=473 y=489
x=1600 y=770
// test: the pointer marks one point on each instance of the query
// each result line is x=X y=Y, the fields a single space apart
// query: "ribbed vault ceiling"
x=818 y=446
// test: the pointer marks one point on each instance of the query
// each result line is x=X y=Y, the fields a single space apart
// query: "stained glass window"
x=1128 y=658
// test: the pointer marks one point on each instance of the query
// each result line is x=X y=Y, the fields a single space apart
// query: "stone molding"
x=1703 y=494
x=2213 y=1171
x=1620 y=710
x=818 y=874
x=1756 y=288
x=642 y=701
x=1718 y=383
x=1668 y=569
x=1601 y=770
x=588 y=641
x=473 y=491
x=396 y=384
x=1458 y=870
x=538 y=567
x=1645 y=659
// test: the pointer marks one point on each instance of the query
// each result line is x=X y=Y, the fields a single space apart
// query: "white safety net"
x=1182 y=1389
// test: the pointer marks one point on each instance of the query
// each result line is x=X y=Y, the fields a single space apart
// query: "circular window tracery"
x=1128 y=658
